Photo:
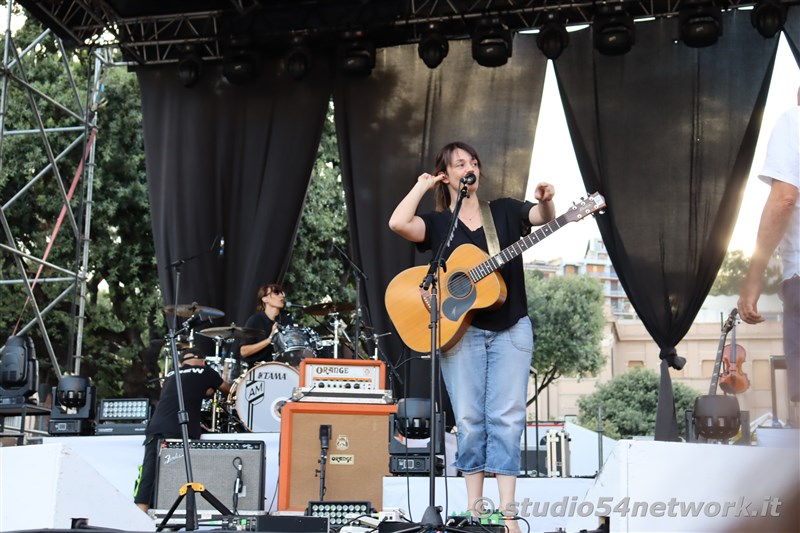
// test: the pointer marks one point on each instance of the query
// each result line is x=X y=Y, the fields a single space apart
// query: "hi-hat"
x=192 y=309
x=329 y=307
x=232 y=332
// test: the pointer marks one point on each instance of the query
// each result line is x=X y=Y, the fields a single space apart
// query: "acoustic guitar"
x=470 y=282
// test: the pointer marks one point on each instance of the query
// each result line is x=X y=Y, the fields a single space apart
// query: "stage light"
x=413 y=419
x=768 y=17
x=356 y=54
x=298 y=59
x=613 y=30
x=73 y=407
x=553 y=37
x=336 y=512
x=190 y=67
x=19 y=371
x=491 y=42
x=699 y=23
x=433 y=47
x=239 y=66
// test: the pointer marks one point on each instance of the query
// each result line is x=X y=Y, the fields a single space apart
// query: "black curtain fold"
x=791 y=30
x=667 y=134
x=229 y=161
x=391 y=124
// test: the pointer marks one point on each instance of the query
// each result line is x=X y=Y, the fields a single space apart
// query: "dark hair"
x=193 y=352
x=442 y=191
x=263 y=291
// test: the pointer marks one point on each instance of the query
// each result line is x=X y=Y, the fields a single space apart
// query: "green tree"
x=629 y=402
x=568 y=320
x=733 y=270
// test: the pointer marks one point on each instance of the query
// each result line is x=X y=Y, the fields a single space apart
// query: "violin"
x=733 y=380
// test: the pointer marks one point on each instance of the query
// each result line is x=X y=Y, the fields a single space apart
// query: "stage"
x=643 y=486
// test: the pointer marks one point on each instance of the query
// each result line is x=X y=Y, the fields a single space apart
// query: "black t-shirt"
x=261 y=321
x=195 y=381
x=511 y=222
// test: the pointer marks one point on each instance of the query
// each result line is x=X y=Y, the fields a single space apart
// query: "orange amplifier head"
x=364 y=374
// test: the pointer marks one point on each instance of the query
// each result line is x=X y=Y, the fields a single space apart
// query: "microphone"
x=469 y=179
x=221 y=252
x=237 y=487
x=324 y=436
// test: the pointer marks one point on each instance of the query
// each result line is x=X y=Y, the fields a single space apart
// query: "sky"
x=554 y=161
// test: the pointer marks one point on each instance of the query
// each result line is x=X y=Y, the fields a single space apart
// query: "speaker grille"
x=213 y=465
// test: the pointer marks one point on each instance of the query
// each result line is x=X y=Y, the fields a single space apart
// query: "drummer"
x=269 y=315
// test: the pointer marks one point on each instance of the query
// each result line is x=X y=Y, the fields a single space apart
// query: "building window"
x=634 y=363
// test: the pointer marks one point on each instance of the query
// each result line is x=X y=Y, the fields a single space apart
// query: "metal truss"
x=161 y=35
x=81 y=112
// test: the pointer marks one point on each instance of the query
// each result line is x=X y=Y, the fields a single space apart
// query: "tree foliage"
x=732 y=273
x=568 y=320
x=629 y=403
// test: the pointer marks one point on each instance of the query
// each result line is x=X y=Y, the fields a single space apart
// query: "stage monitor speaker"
x=358 y=454
x=214 y=464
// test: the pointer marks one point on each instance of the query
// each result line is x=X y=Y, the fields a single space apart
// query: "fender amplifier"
x=215 y=464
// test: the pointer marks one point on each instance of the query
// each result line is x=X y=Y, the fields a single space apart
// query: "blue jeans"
x=791 y=334
x=486 y=375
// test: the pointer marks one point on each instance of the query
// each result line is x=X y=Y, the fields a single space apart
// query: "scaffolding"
x=76 y=200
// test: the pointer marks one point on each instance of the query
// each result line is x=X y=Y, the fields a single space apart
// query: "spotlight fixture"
x=613 y=31
x=239 y=66
x=73 y=407
x=699 y=23
x=491 y=42
x=433 y=46
x=19 y=371
x=190 y=67
x=298 y=60
x=356 y=54
x=553 y=37
x=768 y=17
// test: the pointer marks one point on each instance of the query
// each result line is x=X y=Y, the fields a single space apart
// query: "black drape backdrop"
x=232 y=161
x=667 y=134
x=391 y=124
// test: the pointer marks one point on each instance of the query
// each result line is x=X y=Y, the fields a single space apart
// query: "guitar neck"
x=515 y=250
x=712 y=389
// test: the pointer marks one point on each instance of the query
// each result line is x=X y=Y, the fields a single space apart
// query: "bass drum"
x=258 y=396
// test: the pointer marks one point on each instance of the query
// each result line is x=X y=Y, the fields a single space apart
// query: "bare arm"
x=404 y=220
x=247 y=350
x=545 y=211
x=774 y=222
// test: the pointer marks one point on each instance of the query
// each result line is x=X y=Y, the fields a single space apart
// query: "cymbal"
x=329 y=307
x=232 y=332
x=189 y=310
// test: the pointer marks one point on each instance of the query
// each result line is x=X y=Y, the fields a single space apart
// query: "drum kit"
x=258 y=392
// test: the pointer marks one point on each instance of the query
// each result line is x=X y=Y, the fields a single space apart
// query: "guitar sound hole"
x=459 y=285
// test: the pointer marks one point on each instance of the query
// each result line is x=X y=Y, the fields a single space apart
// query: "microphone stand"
x=324 y=440
x=431 y=518
x=359 y=276
x=183 y=419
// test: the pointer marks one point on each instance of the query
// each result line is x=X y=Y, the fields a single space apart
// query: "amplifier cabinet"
x=214 y=464
x=358 y=454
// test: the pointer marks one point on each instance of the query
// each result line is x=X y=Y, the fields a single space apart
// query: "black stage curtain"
x=791 y=30
x=229 y=161
x=390 y=126
x=667 y=134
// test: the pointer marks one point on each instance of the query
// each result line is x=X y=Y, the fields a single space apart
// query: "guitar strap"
x=488 y=229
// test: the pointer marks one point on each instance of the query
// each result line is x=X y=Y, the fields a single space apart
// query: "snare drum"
x=293 y=344
x=259 y=394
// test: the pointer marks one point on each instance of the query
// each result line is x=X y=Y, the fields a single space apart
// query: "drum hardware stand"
x=359 y=275
x=190 y=488
x=338 y=326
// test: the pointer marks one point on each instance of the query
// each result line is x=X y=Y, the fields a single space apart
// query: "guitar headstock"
x=585 y=207
x=731 y=321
